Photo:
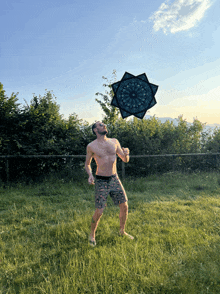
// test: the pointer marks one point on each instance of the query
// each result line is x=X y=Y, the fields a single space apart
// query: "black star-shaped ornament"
x=134 y=95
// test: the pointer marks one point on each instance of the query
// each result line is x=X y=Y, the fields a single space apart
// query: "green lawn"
x=174 y=218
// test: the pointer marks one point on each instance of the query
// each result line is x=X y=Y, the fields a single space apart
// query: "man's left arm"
x=123 y=153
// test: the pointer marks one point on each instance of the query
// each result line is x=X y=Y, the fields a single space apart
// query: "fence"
x=8 y=158
x=167 y=162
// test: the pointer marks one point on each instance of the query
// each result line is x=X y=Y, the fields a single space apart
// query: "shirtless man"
x=104 y=151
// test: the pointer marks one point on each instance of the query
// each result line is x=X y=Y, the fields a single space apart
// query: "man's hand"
x=91 y=180
x=126 y=151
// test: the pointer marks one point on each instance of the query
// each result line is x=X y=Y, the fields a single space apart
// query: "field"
x=174 y=218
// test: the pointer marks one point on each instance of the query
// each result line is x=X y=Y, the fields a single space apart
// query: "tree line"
x=38 y=128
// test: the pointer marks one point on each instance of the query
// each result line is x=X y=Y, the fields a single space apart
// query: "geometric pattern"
x=134 y=95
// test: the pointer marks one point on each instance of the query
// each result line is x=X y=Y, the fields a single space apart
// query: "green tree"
x=74 y=135
x=8 y=106
x=9 y=111
x=111 y=112
x=168 y=137
x=42 y=120
x=187 y=136
x=213 y=143
x=195 y=133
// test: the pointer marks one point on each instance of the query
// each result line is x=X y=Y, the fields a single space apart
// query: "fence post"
x=123 y=170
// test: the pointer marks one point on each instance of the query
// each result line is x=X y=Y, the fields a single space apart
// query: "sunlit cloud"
x=181 y=15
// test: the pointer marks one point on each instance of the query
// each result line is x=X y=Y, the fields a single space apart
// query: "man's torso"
x=105 y=156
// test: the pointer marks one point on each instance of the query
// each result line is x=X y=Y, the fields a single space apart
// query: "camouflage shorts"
x=109 y=185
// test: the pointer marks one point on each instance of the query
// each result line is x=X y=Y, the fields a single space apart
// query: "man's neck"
x=102 y=139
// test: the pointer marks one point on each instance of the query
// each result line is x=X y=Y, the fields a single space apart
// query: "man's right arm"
x=89 y=155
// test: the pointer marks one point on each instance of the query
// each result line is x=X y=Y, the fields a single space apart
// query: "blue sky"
x=67 y=46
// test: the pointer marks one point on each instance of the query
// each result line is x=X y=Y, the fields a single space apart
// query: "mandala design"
x=134 y=95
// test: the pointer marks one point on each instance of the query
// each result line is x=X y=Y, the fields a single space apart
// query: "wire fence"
x=20 y=167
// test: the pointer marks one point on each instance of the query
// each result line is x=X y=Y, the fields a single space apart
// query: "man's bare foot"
x=92 y=241
x=121 y=233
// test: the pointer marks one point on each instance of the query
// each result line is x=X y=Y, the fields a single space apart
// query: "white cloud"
x=181 y=15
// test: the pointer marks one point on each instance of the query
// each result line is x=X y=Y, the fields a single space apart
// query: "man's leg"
x=123 y=215
x=95 y=220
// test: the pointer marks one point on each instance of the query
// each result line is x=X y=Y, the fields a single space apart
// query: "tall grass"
x=174 y=218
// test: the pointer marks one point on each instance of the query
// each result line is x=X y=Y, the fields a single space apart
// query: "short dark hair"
x=93 y=127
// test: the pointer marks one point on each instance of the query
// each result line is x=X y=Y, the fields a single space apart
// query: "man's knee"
x=124 y=207
x=98 y=213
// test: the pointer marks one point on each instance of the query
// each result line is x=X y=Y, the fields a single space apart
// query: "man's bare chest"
x=102 y=150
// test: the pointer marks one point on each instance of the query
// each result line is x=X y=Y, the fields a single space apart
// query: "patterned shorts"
x=109 y=185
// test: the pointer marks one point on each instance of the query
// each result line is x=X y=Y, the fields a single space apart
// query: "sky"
x=67 y=46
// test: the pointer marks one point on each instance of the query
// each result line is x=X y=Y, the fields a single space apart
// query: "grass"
x=174 y=218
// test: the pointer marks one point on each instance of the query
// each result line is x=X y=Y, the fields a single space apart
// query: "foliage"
x=213 y=144
x=39 y=129
x=111 y=112
x=9 y=112
x=8 y=106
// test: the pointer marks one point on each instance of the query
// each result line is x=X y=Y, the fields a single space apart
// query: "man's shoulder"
x=92 y=143
x=115 y=140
